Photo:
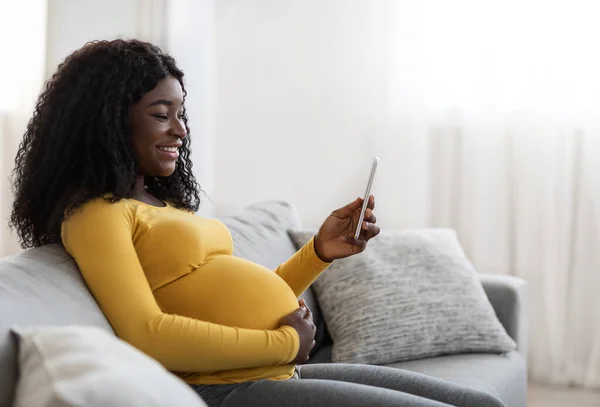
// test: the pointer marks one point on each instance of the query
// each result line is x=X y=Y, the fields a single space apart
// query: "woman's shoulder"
x=99 y=219
x=100 y=208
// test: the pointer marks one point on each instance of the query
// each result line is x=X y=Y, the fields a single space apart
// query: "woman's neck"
x=140 y=194
x=138 y=189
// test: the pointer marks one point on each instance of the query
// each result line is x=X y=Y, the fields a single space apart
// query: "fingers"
x=349 y=209
x=371 y=203
x=353 y=207
x=369 y=230
x=312 y=346
x=308 y=314
x=372 y=230
x=302 y=311
x=307 y=319
x=359 y=243
x=370 y=216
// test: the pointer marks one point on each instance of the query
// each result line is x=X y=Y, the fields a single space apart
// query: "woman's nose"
x=178 y=128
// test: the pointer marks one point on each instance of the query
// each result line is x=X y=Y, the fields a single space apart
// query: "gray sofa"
x=43 y=287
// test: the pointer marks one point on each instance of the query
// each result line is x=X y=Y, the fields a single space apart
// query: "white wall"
x=191 y=41
x=72 y=23
x=298 y=108
x=22 y=40
x=302 y=107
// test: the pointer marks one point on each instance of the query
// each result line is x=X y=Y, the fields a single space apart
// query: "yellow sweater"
x=168 y=283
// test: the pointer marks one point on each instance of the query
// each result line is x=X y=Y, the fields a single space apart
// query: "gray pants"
x=344 y=385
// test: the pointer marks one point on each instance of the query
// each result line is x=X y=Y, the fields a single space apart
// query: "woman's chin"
x=159 y=169
x=165 y=171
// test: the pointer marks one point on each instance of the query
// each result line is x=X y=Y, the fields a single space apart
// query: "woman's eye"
x=160 y=116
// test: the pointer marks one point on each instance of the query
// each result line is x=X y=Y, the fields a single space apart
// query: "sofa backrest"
x=43 y=286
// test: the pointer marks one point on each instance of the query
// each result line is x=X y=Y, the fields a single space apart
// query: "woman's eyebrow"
x=161 y=102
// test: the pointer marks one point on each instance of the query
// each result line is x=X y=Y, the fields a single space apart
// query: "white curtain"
x=23 y=45
x=507 y=96
x=486 y=117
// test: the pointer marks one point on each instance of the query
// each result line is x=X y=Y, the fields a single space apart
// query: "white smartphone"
x=366 y=199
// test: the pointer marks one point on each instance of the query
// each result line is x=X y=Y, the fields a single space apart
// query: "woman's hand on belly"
x=301 y=320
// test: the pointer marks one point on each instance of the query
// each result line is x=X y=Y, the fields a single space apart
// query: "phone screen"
x=366 y=198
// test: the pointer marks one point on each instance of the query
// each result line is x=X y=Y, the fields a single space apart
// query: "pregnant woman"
x=104 y=168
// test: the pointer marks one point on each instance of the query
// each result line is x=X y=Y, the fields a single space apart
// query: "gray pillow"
x=412 y=294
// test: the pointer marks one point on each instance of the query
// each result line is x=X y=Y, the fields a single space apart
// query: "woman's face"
x=158 y=128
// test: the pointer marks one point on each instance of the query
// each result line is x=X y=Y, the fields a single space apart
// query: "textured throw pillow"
x=411 y=294
x=86 y=366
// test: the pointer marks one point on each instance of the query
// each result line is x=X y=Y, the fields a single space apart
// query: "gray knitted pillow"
x=412 y=294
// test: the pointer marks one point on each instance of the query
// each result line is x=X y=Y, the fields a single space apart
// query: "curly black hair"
x=77 y=146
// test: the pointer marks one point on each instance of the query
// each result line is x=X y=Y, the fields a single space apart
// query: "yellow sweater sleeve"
x=99 y=237
x=302 y=269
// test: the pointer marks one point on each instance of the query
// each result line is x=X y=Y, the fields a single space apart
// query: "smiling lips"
x=171 y=153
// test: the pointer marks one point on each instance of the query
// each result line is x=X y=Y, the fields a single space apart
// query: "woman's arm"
x=302 y=269
x=99 y=237
x=333 y=241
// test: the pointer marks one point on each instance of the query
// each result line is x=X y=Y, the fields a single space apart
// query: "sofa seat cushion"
x=501 y=375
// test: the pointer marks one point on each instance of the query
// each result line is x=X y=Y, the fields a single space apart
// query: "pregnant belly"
x=230 y=291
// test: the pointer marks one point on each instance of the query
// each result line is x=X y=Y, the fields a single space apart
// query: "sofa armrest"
x=508 y=296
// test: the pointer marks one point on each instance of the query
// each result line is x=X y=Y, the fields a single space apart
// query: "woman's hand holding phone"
x=348 y=229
